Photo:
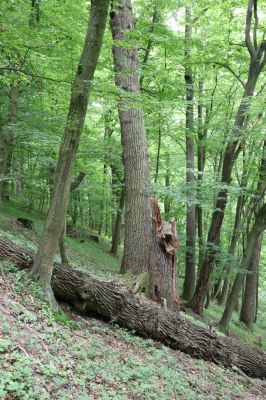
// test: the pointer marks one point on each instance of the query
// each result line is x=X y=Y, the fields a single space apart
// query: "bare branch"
x=248 y=28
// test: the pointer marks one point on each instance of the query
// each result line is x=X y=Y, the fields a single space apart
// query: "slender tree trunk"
x=167 y=203
x=249 y=304
x=190 y=274
x=158 y=153
x=42 y=267
x=255 y=233
x=138 y=222
x=257 y=63
x=234 y=238
x=118 y=223
x=6 y=144
x=62 y=245
x=248 y=308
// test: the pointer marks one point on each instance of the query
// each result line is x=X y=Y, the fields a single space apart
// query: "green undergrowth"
x=64 y=356
x=95 y=258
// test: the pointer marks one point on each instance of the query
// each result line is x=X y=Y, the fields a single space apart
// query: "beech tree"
x=43 y=264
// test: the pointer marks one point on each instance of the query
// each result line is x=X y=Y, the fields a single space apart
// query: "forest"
x=132 y=199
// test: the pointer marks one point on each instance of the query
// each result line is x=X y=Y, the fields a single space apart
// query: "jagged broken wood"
x=114 y=303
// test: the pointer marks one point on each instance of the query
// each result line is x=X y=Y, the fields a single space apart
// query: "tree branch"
x=248 y=28
x=22 y=71
x=232 y=72
x=255 y=25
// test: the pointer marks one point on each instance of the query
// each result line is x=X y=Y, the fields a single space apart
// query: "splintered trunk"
x=138 y=223
x=106 y=300
x=190 y=274
x=43 y=264
x=162 y=271
x=249 y=303
x=254 y=235
x=230 y=156
x=6 y=144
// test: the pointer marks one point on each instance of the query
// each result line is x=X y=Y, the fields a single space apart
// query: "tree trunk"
x=77 y=111
x=138 y=223
x=190 y=274
x=234 y=238
x=162 y=271
x=6 y=144
x=118 y=223
x=249 y=304
x=248 y=309
x=109 y=302
x=62 y=245
x=253 y=236
x=257 y=63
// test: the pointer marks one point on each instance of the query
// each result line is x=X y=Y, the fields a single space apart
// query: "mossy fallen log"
x=113 y=303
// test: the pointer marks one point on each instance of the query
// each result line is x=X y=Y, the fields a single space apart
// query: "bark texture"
x=138 y=222
x=77 y=111
x=115 y=304
x=162 y=271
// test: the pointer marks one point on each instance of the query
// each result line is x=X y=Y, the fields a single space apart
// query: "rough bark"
x=77 y=111
x=162 y=271
x=112 y=303
x=257 y=63
x=138 y=223
x=258 y=227
x=190 y=273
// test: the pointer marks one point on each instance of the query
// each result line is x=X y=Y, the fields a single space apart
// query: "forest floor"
x=69 y=356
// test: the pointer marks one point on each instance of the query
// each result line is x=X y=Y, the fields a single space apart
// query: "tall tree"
x=80 y=91
x=138 y=223
x=190 y=275
x=257 y=62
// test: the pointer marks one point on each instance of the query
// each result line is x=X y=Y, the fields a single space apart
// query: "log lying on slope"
x=115 y=304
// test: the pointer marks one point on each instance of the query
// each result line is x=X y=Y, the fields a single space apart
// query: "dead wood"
x=113 y=303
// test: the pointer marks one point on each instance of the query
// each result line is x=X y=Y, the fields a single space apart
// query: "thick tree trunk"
x=77 y=111
x=252 y=239
x=138 y=222
x=190 y=274
x=231 y=153
x=115 y=304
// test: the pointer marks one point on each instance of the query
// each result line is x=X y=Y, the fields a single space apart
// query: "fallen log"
x=113 y=303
